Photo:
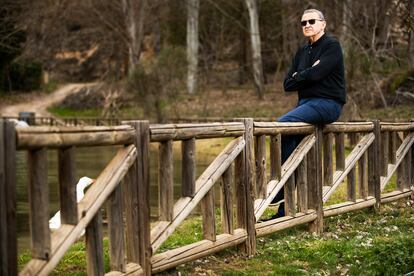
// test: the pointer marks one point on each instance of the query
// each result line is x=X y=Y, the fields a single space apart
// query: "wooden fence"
x=309 y=177
x=75 y=121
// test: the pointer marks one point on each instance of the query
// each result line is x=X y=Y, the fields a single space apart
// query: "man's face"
x=312 y=29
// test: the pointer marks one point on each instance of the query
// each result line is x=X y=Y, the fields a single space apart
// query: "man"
x=317 y=73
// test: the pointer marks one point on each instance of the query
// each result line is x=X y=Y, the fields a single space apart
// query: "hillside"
x=86 y=100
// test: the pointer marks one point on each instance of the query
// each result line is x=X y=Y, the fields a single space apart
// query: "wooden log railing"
x=365 y=155
x=69 y=122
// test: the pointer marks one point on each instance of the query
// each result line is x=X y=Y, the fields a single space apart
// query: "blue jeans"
x=315 y=111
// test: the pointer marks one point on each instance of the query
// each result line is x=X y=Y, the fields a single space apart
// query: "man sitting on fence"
x=317 y=73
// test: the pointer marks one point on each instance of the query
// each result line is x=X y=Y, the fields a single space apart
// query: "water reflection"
x=89 y=162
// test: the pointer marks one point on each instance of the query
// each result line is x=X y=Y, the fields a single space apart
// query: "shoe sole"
x=277 y=203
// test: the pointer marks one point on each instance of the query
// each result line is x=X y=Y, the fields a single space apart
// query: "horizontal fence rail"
x=241 y=182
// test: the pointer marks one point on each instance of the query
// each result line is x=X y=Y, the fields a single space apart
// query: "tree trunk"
x=256 y=49
x=242 y=55
x=411 y=43
x=192 y=44
x=346 y=21
x=134 y=11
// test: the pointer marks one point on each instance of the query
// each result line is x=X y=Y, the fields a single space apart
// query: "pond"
x=90 y=162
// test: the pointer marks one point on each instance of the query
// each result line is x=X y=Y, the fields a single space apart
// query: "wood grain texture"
x=39 y=204
x=226 y=202
x=188 y=150
x=260 y=164
x=94 y=247
x=116 y=230
x=165 y=181
x=275 y=157
x=67 y=185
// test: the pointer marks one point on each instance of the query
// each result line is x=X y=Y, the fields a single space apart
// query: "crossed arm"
x=320 y=69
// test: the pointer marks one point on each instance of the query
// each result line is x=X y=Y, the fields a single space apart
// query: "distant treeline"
x=87 y=40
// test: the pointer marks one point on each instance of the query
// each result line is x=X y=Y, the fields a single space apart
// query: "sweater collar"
x=317 y=42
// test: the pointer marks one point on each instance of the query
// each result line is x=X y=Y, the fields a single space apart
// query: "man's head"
x=313 y=24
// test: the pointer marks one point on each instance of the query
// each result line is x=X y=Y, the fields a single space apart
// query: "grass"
x=360 y=243
x=403 y=112
x=50 y=87
x=74 y=261
x=67 y=112
x=363 y=242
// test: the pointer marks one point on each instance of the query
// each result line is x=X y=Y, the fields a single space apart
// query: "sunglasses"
x=311 y=22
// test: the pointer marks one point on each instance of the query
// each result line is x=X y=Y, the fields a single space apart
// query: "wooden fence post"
x=208 y=214
x=226 y=202
x=131 y=214
x=403 y=171
x=374 y=166
x=315 y=187
x=275 y=157
x=39 y=204
x=165 y=181
x=260 y=156
x=138 y=197
x=290 y=196
x=67 y=185
x=351 y=189
x=392 y=147
x=384 y=152
x=409 y=164
x=116 y=230
x=8 y=238
x=340 y=151
x=302 y=189
x=245 y=189
x=327 y=159
x=363 y=176
x=188 y=167
x=94 y=246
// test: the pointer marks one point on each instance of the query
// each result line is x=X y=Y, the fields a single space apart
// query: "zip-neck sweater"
x=324 y=80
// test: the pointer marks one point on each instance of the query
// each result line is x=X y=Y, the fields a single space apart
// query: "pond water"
x=89 y=162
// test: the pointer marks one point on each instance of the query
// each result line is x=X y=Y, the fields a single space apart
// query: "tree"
x=134 y=12
x=193 y=7
x=256 y=49
x=411 y=42
x=10 y=39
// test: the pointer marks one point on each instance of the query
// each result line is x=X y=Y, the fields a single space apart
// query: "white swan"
x=19 y=123
x=54 y=222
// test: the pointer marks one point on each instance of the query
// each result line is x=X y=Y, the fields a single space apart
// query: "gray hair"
x=318 y=12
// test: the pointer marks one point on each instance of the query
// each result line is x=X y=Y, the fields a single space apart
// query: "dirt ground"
x=37 y=102
x=211 y=103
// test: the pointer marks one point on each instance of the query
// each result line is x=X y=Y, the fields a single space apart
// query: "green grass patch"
x=50 y=87
x=360 y=243
x=74 y=261
x=398 y=113
x=70 y=113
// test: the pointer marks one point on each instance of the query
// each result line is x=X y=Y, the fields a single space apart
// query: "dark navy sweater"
x=325 y=80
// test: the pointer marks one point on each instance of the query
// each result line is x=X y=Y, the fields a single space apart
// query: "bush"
x=157 y=84
x=23 y=75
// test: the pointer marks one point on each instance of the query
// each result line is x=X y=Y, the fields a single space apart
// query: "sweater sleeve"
x=291 y=83
x=330 y=59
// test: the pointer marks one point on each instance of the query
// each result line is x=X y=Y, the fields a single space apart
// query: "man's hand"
x=316 y=63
